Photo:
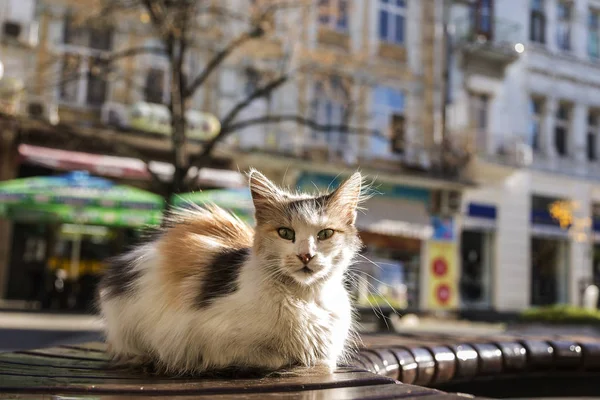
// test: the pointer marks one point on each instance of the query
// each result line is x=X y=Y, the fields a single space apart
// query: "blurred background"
x=477 y=119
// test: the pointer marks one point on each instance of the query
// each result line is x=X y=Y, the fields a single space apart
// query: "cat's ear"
x=345 y=199
x=264 y=192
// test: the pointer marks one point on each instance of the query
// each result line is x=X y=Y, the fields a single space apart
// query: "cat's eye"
x=325 y=234
x=286 y=233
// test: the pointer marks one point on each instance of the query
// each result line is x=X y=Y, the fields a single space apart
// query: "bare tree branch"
x=219 y=58
x=232 y=115
x=152 y=8
x=258 y=93
x=136 y=51
x=255 y=31
x=299 y=119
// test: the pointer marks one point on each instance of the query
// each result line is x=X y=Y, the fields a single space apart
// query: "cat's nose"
x=305 y=258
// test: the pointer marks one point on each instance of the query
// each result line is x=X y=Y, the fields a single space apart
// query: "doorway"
x=476 y=257
x=549 y=271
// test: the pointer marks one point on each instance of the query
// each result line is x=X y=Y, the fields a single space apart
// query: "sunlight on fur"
x=209 y=292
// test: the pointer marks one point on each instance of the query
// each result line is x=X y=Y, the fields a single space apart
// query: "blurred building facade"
x=386 y=57
x=533 y=119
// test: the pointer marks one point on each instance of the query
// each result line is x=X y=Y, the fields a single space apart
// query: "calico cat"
x=210 y=292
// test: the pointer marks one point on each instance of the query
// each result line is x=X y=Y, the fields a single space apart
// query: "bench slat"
x=72 y=384
x=467 y=361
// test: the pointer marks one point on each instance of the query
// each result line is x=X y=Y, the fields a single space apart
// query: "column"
x=577 y=135
x=8 y=170
x=547 y=139
x=580 y=256
x=511 y=276
x=579 y=28
x=551 y=18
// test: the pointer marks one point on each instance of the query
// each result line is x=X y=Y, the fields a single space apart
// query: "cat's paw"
x=136 y=363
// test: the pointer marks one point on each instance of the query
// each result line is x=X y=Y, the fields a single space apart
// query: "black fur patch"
x=221 y=276
x=119 y=277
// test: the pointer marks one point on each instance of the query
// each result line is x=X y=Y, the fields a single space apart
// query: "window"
x=594 y=34
x=83 y=70
x=561 y=129
x=334 y=14
x=563 y=25
x=154 y=89
x=537 y=22
x=392 y=17
x=536 y=107
x=75 y=34
x=397 y=129
x=329 y=107
x=96 y=84
x=592 y=135
x=389 y=121
x=482 y=14
x=252 y=81
x=479 y=118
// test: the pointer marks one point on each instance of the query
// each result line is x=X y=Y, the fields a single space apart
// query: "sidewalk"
x=50 y=322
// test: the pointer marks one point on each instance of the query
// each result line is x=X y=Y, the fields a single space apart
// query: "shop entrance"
x=59 y=266
x=476 y=274
x=549 y=271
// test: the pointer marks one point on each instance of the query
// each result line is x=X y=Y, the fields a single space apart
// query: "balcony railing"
x=334 y=147
x=502 y=148
x=489 y=37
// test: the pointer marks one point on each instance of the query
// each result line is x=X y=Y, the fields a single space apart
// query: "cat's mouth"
x=307 y=270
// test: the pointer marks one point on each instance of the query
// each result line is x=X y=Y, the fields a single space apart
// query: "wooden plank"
x=391 y=367
x=425 y=365
x=160 y=386
x=467 y=361
x=72 y=354
x=445 y=361
x=540 y=355
x=51 y=362
x=90 y=346
x=375 y=362
x=567 y=354
x=362 y=360
x=66 y=372
x=591 y=354
x=371 y=392
x=490 y=358
x=408 y=365
x=514 y=355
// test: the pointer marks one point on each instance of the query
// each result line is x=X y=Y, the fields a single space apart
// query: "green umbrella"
x=79 y=198
x=238 y=201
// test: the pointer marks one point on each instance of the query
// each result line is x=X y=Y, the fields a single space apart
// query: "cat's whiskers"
x=371 y=289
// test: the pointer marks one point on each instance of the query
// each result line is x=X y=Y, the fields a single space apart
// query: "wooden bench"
x=80 y=371
x=501 y=365
x=429 y=366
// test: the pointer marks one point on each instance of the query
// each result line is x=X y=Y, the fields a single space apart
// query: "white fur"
x=258 y=325
x=304 y=319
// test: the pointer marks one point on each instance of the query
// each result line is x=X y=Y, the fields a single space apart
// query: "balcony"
x=491 y=41
x=497 y=156
x=338 y=150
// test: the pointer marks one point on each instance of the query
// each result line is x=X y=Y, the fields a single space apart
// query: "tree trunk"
x=178 y=121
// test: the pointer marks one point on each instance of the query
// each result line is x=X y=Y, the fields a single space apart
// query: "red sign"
x=440 y=266
x=443 y=293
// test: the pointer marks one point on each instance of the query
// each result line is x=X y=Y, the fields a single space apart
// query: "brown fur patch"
x=191 y=244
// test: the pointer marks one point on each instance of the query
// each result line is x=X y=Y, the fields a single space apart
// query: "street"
x=21 y=331
x=24 y=339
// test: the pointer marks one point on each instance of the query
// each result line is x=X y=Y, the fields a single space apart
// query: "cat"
x=209 y=292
